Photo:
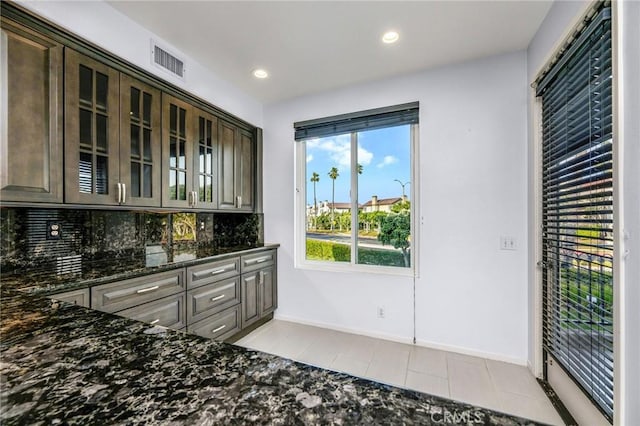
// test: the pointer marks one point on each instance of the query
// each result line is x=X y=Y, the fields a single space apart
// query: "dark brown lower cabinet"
x=217 y=300
x=166 y=312
x=259 y=294
x=219 y=326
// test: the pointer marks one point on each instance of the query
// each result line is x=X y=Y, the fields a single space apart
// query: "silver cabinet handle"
x=213 y=299
x=215 y=330
x=124 y=192
x=190 y=198
x=194 y=198
x=119 y=193
x=218 y=271
x=144 y=290
x=262 y=259
x=155 y=321
x=238 y=202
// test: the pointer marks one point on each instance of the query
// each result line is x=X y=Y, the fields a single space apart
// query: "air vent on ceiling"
x=167 y=61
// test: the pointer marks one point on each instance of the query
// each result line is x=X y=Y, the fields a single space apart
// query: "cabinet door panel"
x=205 y=165
x=140 y=142
x=246 y=170
x=213 y=298
x=30 y=116
x=219 y=326
x=253 y=262
x=226 y=166
x=76 y=297
x=250 y=299
x=213 y=271
x=269 y=299
x=177 y=152
x=92 y=156
x=167 y=312
x=124 y=294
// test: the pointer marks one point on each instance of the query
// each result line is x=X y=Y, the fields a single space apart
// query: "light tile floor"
x=500 y=386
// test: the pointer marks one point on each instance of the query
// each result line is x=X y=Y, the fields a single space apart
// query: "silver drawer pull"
x=213 y=299
x=215 y=330
x=218 y=271
x=260 y=260
x=144 y=290
x=155 y=321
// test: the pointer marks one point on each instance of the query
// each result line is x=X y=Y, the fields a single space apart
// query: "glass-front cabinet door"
x=177 y=153
x=91 y=131
x=206 y=161
x=140 y=150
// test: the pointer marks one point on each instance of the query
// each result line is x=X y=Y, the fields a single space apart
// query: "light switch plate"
x=508 y=243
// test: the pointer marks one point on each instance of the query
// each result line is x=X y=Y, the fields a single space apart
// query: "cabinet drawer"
x=213 y=298
x=121 y=295
x=168 y=312
x=219 y=326
x=253 y=262
x=76 y=297
x=212 y=272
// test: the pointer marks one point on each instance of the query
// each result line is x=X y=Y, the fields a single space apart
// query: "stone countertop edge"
x=80 y=284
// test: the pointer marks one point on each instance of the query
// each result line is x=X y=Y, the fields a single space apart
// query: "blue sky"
x=385 y=155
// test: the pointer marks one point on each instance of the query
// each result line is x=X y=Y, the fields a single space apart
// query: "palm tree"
x=315 y=178
x=333 y=174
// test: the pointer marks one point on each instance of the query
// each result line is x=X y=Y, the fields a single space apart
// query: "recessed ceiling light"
x=260 y=73
x=390 y=37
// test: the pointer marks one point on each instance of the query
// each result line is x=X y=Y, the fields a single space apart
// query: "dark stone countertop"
x=110 y=271
x=64 y=364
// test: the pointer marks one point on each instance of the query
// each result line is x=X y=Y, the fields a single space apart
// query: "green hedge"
x=327 y=250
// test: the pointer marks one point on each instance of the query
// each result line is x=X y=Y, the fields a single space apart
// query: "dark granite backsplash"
x=96 y=243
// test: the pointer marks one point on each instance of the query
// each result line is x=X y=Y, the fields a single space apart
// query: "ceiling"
x=313 y=46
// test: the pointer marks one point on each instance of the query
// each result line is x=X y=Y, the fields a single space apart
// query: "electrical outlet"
x=54 y=230
x=507 y=243
x=380 y=311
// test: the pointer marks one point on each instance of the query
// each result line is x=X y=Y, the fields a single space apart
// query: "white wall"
x=471 y=296
x=561 y=19
x=629 y=33
x=106 y=27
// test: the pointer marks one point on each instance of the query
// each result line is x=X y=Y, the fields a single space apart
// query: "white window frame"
x=300 y=223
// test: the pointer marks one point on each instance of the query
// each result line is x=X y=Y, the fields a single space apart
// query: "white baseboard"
x=407 y=340
x=473 y=352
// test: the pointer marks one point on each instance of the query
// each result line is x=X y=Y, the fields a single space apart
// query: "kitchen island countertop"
x=65 y=364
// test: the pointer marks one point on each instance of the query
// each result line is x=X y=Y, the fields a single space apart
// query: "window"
x=577 y=211
x=356 y=190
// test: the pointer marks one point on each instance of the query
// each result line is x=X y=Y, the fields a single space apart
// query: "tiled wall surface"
x=95 y=243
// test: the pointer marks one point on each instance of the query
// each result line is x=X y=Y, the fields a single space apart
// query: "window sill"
x=349 y=268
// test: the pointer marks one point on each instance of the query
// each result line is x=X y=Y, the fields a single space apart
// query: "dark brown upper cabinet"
x=92 y=114
x=177 y=153
x=140 y=143
x=112 y=139
x=205 y=182
x=237 y=168
x=190 y=156
x=30 y=116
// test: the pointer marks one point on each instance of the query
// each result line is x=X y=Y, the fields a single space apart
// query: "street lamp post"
x=403 y=185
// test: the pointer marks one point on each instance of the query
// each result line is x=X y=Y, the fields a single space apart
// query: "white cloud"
x=309 y=158
x=387 y=160
x=339 y=150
